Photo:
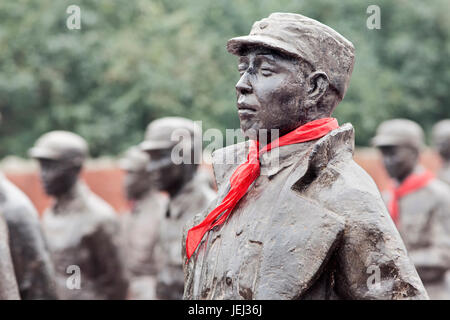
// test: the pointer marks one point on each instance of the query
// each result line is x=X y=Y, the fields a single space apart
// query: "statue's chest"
x=271 y=247
x=70 y=239
x=415 y=217
x=231 y=255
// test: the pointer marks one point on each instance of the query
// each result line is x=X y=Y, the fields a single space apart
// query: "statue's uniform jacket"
x=444 y=173
x=194 y=197
x=30 y=256
x=84 y=234
x=140 y=229
x=312 y=226
x=424 y=225
x=8 y=283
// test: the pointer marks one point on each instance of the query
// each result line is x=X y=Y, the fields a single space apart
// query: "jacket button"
x=228 y=279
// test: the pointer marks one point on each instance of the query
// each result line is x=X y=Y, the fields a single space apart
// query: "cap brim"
x=128 y=165
x=41 y=153
x=236 y=45
x=155 y=145
x=384 y=141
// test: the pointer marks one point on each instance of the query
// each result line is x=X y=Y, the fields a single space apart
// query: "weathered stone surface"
x=32 y=264
x=313 y=224
x=8 y=283
x=424 y=213
x=189 y=193
x=82 y=230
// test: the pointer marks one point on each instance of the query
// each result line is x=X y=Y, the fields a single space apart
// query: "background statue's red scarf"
x=412 y=183
x=248 y=171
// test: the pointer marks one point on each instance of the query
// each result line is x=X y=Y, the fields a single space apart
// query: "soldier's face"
x=269 y=92
x=164 y=173
x=443 y=147
x=136 y=183
x=58 y=177
x=399 y=161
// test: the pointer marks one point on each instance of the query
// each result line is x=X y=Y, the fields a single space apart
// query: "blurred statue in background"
x=8 y=283
x=441 y=141
x=166 y=140
x=295 y=216
x=25 y=265
x=418 y=203
x=32 y=263
x=80 y=227
x=140 y=227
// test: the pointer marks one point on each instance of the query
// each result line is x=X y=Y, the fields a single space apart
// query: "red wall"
x=107 y=183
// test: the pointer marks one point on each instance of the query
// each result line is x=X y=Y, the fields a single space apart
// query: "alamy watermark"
x=73 y=21
x=73 y=282
x=374 y=20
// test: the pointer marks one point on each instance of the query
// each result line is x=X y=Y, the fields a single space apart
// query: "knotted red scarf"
x=412 y=183
x=246 y=174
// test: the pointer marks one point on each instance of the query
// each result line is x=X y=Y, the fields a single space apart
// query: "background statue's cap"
x=441 y=132
x=301 y=37
x=134 y=159
x=60 y=145
x=158 y=134
x=399 y=132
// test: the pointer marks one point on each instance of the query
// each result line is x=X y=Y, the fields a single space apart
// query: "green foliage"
x=134 y=61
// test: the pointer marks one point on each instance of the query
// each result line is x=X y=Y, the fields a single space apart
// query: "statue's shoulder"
x=101 y=213
x=336 y=180
x=439 y=191
x=225 y=160
x=16 y=206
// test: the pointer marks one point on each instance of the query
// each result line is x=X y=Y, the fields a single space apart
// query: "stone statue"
x=296 y=218
x=189 y=194
x=80 y=227
x=419 y=204
x=31 y=259
x=441 y=141
x=140 y=227
x=8 y=283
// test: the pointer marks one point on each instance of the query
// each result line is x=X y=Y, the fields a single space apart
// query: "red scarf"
x=412 y=183
x=246 y=174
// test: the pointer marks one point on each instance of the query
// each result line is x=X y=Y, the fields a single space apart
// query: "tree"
x=132 y=62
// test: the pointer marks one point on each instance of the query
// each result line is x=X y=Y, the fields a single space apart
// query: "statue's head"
x=441 y=138
x=137 y=178
x=400 y=142
x=61 y=155
x=171 y=143
x=293 y=70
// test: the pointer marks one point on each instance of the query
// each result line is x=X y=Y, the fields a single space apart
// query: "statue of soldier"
x=296 y=218
x=32 y=263
x=165 y=140
x=140 y=227
x=25 y=265
x=441 y=141
x=80 y=227
x=419 y=204
x=8 y=283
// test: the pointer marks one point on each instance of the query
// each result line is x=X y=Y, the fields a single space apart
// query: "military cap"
x=304 y=38
x=399 y=132
x=158 y=134
x=134 y=159
x=60 y=145
x=441 y=132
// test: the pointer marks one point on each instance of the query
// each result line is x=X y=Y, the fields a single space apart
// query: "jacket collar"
x=311 y=156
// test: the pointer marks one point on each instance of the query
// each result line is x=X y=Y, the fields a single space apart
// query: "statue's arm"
x=112 y=278
x=372 y=260
x=433 y=261
x=8 y=283
x=35 y=272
